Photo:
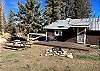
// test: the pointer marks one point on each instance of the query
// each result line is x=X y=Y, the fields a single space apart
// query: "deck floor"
x=69 y=45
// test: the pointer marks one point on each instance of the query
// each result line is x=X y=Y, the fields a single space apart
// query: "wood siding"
x=50 y=32
x=67 y=35
x=70 y=34
x=93 y=37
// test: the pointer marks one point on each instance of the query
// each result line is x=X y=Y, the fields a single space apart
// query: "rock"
x=69 y=55
x=62 y=55
x=14 y=48
x=92 y=45
x=65 y=53
x=40 y=54
x=47 y=52
x=46 y=55
x=56 y=52
x=59 y=51
x=50 y=50
x=50 y=54
x=62 y=50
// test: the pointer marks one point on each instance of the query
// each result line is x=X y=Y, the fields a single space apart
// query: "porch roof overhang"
x=80 y=23
x=84 y=26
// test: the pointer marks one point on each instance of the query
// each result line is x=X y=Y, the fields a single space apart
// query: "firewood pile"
x=58 y=52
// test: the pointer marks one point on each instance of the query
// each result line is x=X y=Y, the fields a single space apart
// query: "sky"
x=12 y=5
x=96 y=7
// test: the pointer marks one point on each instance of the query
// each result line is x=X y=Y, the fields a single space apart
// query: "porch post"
x=28 y=37
x=77 y=34
x=85 y=36
x=46 y=35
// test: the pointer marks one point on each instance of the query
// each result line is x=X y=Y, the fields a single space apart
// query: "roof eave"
x=80 y=26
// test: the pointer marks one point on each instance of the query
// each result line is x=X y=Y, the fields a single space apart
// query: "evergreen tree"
x=69 y=9
x=51 y=10
x=1 y=20
x=62 y=9
x=11 y=28
x=30 y=14
x=0 y=24
x=23 y=18
x=82 y=8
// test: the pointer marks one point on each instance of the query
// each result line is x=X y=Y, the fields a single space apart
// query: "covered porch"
x=81 y=36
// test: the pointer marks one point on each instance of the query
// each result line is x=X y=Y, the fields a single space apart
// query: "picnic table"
x=17 y=44
x=21 y=43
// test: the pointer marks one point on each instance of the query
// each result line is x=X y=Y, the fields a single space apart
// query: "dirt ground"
x=29 y=59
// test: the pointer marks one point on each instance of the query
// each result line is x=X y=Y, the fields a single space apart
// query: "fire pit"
x=58 y=52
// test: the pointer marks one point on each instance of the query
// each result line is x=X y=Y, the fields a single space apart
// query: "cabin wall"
x=93 y=37
x=50 y=32
x=67 y=35
x=74 y=39
x=70 y=35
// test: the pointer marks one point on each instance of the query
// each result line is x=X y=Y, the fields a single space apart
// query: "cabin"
x=83 y=31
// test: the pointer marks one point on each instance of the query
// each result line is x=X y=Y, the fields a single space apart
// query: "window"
x=58 y=32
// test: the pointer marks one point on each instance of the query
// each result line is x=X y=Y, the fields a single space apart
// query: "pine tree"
x=69 y=9
x=82 y=8
x=52 y=9
x=1 y=20
x=11 y=28
x=31 y=15
x=62 y=9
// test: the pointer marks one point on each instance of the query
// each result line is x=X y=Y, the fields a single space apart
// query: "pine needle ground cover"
x=30 y=60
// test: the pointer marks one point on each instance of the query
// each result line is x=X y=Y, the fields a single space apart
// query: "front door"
x=81 y=38
x=81 y=35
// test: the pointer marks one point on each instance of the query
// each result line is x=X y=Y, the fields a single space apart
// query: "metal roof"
x=95 y=24
x=79 y=22
x=59 y=24
x=65 y=24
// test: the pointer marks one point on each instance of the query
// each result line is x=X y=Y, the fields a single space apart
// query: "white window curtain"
x=58 y=32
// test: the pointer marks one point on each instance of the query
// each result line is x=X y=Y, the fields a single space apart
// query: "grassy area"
x=10 y=55
x=88 y=57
